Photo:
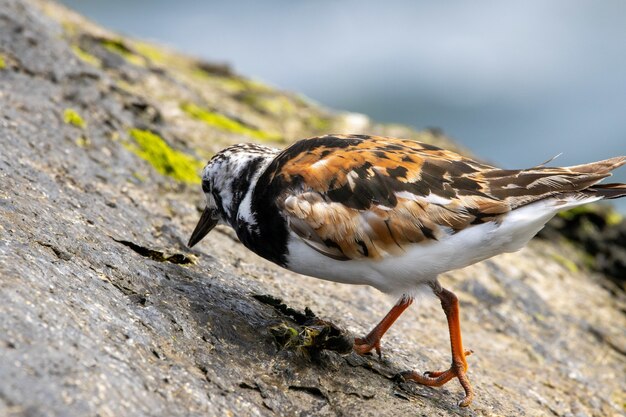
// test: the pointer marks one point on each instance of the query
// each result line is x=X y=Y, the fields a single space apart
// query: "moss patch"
x=613 y=218
x=151 y=52
x=118 y=47
x=163 y=158
x=319 y=123
x=567 y=263
x=231 y=84
x=71 y=117
x=227 y=124
x=576 y=211
x=82 y=141
x=273 y=105
x=86 y=56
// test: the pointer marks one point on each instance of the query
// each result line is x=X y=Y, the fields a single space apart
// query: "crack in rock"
x=176 y=258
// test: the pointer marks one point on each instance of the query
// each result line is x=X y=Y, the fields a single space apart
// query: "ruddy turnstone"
x=389 y=213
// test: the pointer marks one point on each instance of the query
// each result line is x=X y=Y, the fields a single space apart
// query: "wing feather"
x=351 y=197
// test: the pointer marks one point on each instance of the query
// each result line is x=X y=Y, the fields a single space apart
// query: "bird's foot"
x=364 y=345
x=436 y=374
x=439 y=378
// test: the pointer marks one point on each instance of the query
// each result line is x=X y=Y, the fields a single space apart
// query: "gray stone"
x=105 y=312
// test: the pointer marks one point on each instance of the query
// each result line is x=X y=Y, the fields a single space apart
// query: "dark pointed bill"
x=207 y=222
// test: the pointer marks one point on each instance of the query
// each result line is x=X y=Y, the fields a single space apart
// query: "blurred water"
x=515 y=82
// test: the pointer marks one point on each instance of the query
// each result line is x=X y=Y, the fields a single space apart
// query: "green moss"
x=83 y=141
x=286 y=336
x=70 y=29
x=567 y=263
x=319 y=123
x=227 y=124
x=232 y=84
x=71 y=117
x=163 y=158
x=3 y=64
x=151 y=52
x=273 y=105
x=577 y=211
x=86 y=56
x=119 y=47
x=613 y=218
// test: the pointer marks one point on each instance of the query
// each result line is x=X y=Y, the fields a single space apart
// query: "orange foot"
x=458 y=369
x=363 y=345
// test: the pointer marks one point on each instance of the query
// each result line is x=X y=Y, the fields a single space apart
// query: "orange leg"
x=458 y=368
x=363 y=345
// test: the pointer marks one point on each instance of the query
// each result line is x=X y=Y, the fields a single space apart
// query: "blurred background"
x=517 y=83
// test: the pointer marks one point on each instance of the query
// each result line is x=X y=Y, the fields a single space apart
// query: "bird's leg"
x=458 y=368
x=363 y=345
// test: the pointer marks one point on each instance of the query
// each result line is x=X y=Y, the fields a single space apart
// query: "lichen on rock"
x=85 y=56
x=71 y=117
x=222 y=122
x=178 y=165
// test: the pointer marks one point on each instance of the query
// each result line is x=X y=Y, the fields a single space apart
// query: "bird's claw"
x=436 y=374
x=363 y=346
x=438 y=378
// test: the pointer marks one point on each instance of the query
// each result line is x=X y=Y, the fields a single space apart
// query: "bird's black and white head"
x=227 y=182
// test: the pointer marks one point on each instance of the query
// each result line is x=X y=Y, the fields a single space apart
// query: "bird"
x=390 y=213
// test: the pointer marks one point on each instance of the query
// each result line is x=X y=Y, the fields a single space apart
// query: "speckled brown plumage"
x=366 y=196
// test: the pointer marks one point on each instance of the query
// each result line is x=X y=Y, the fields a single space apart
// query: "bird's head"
x=226 y=179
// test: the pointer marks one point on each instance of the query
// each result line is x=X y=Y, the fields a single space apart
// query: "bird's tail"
x=578 y=183
x=608 y=191
x=604 y=168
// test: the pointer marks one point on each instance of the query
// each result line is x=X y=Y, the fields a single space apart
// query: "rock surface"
x=105 y=312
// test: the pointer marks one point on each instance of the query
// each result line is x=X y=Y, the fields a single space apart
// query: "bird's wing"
x=352 y=197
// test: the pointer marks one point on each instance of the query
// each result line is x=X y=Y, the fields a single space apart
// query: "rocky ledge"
x=105 y=312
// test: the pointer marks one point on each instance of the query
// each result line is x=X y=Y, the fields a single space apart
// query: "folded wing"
x=352 y=197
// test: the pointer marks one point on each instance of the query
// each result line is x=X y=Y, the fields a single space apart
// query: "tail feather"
x=608 y=191
x=522 y=187
x=601 y=167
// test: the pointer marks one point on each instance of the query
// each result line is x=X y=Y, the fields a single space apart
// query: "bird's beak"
x=207 y=222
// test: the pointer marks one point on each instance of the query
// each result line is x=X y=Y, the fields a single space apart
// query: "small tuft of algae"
x=86 y=56
x=613 y=218
x=230 y=83
x=118 y=47
x=274 y=105
x=222 y=122
x=71 y=117
x=167 y=161
x=3 y=64
x=152 y=52
x=567 y=263
x=319 y=123
x=82 y=141
x=71 y=29
x=577 y=211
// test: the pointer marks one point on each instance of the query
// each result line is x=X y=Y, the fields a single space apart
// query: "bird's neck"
x=238 y=211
